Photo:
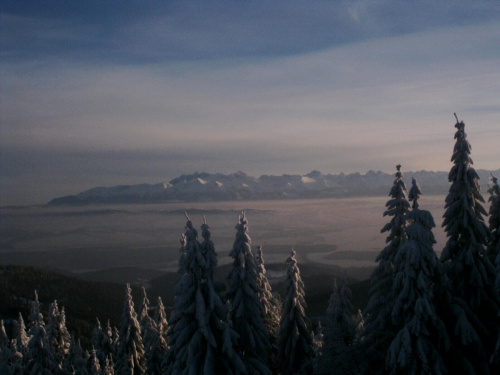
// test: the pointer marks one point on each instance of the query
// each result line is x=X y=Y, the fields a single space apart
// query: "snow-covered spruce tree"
x=75 y=363
x=246 y=307
x=379 y=330
x=20 y=335
x=340 y=330
x=494 y=247
x=130 y=354
x=57 y=333
x=109 y=368
x=95 y=367
x=11 y=360
x=155 y=345
x=39 y=360
x=494 y=225
x=421 y=340
x=295 y=344
x=200 y=339
x=102 y=341
x=270 y=305
x=160 y=319
x=271 y=308
x=156 y=353
x=360 y=323
x=4 y=340
x=143 y=314
x=154 y=348
x=472 y=276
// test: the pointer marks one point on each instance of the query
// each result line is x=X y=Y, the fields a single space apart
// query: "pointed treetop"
x=414 y=193
x=460 y=124
x=494 y=179
x=399 y=174
x=205 y=229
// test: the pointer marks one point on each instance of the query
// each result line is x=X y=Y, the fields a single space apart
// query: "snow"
x=201 y=181
x=307 y=180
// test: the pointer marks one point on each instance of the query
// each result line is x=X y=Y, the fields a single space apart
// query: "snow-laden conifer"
x=295 y=344
x=130 y=354
x=339 y=331
x=271 y=308
x=20 y=335
x=4 y=340
x=95 y=367
x=246 y=307
x=200 y=339
x=11 y=360
x=143 y=313
x=379 y=330
x=150 y=336
x=421 y=340
x=39 y=359
x=494 y=226
x=158 y=348
x=464 y=258
x=360 y=323
x=75 y=363
x=109 y=368
x=102 y=341
x=57 y=332
x=160 y=318
x=494 y=248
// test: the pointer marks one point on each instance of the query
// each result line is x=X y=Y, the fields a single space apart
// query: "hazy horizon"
x=96 y=94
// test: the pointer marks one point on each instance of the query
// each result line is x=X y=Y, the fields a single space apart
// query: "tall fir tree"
x=271 y=308
x=39 y=359
x=102 y=341
x=20 y=335
x=130 y=354
x=494 y=226
x=422 y=340
x=200 y=339
x=340 y=331
x=246 y=307
x=109 y=368
x=295 y=344
x=150 y=337
x=75 y=363
x=379 y=331
x=11 y=360
x=57 y=332
x=494 y=248
x=464 y=258
x=4 y=340
x=94 y=365
x=157 y=337
x=143 y=314
x=160 y=319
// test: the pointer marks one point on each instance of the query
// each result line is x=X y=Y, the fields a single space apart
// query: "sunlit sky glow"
x=99 y=93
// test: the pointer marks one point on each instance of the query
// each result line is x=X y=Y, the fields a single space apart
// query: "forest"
x=427 y=314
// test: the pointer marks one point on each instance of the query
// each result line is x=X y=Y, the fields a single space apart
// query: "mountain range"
x=240 y=186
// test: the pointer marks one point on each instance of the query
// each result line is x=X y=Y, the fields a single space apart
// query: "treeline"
x=426 y=315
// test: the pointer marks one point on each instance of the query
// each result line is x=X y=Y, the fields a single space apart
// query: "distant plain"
x=344 y=232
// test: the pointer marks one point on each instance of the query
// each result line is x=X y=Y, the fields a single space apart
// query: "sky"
x=101 y=93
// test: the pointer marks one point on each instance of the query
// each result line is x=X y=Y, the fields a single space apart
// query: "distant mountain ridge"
x=240 y=186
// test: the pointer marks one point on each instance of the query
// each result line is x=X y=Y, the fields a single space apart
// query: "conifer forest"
x=429 y=311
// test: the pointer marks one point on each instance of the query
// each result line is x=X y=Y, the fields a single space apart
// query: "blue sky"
x=99 y=93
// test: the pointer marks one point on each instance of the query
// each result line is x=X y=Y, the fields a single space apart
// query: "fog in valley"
x=344 y=232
